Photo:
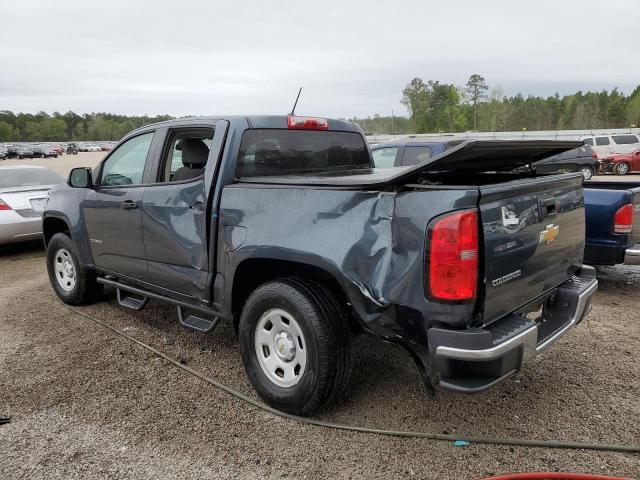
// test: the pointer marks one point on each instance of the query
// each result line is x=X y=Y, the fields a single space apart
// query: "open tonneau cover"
x=469 y=156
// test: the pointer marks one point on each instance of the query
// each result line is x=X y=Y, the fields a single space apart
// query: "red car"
x=622 y=163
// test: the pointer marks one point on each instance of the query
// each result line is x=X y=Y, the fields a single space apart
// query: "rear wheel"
x=295 y=345
x=74 y=284
x=587 y=172
x=622 y=168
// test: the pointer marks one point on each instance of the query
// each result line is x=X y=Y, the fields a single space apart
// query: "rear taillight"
x=4 y=206
x=307 y=123
x=594 y=155
x=453 y=257
x=623 y=219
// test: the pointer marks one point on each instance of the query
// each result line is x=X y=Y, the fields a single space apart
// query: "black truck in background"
x=281 y=226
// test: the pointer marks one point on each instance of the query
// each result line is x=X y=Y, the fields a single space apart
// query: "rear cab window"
x=266 y=152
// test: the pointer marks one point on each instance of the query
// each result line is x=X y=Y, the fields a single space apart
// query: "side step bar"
x=196 y=323
x=192 y=322
x=133 y=303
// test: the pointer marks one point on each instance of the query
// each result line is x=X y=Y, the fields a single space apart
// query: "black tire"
x=327 y=339
x=622 y=168
x=587 y=172
x=86 y=289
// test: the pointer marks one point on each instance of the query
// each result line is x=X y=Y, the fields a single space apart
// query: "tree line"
x=441 y=107
x=60 y=127
x=433 y=107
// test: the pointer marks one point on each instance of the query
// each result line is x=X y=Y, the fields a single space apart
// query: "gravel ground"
x=88 y=404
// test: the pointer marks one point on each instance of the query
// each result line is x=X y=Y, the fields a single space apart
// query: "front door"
x=112 y=210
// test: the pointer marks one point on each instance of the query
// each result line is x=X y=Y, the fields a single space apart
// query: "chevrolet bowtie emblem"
x=549 y=234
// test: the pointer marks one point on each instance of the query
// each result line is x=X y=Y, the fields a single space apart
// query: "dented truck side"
x=292 y=256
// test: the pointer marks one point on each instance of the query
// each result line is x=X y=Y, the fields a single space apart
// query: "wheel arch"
x=253 y=272
x=52 y=225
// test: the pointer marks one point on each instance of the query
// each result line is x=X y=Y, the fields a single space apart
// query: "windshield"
x=28 y=177
x=295 y=152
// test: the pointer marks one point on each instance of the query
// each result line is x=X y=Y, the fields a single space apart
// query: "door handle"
x=197 y=207
x=129 y=205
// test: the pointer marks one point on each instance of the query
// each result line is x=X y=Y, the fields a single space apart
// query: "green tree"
x=477 y=89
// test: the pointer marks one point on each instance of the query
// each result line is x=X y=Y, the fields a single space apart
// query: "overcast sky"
x=352 y=57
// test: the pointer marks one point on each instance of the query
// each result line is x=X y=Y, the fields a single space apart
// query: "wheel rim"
x=280 y=348
x=586 y=173
x=622 y=168
x=64 y=269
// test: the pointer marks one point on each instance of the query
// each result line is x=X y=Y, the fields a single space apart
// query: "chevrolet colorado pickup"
x=281 y=226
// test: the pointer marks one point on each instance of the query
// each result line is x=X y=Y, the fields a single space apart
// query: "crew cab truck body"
x=613 y=223
x=281 y=226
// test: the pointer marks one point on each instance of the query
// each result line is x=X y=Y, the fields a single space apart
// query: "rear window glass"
x=588 y=141
x=602 y=141
x=625 y=139
x=28 y=177
x=295 y=152
x=415 y=155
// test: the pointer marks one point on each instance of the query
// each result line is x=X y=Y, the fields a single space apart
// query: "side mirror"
x=80 y=178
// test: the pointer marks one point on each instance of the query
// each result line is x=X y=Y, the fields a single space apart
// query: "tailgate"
x=635 y=233
x=534 y=233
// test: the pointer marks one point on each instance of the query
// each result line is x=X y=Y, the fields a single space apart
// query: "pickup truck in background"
x=613 y=223
x=281 y=226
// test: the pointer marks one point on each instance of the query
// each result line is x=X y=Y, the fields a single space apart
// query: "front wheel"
x=295 y=345
x=74 y=284
x=622 y=168
x=587 y=172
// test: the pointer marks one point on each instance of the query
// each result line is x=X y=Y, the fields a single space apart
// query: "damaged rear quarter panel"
x=371 y=242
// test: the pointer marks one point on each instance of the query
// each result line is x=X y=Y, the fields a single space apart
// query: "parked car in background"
x=44 y=152
x=58 y=149
x=582 y=159
x=23 y=152
x=622 y=163
x=72 y=149
x=93 y=148
x=23 y=195
x=608 y=144
x=612 y=212
x=410 y=151
x=3 y=153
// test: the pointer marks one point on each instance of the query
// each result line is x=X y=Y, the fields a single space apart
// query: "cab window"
x=588 y=141
x=125 y=166
x=602 y=141
x=416 y=155
x=186 y=155
x=384 y=157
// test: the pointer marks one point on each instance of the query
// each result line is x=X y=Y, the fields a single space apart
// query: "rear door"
x=112 y=210
x=175 y=223
x=533 y=233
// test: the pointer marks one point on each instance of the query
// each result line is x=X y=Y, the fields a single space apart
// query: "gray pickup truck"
x=280 y=226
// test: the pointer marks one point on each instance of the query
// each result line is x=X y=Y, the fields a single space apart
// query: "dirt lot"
x=87 y=403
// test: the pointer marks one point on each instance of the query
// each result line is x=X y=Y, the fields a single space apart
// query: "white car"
x=609 y=144
x=94 y=148
x=24 y=190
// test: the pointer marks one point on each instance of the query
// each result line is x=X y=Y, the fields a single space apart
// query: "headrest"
x=194 y=153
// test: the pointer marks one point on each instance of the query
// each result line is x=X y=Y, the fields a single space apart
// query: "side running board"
x=129 y=301
x=199 y=324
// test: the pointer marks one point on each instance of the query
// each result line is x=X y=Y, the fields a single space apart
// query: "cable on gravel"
x=518 y=442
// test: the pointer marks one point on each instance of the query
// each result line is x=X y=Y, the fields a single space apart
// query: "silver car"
x=23 y=194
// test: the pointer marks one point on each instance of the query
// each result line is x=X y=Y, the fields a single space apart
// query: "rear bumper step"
x=476 y=359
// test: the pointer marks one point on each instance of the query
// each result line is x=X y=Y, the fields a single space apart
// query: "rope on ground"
x=518 y=442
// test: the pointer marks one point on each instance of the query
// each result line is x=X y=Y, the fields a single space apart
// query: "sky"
x=352 y=58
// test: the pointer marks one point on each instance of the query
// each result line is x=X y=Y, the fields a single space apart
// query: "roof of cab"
x=252 y=121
